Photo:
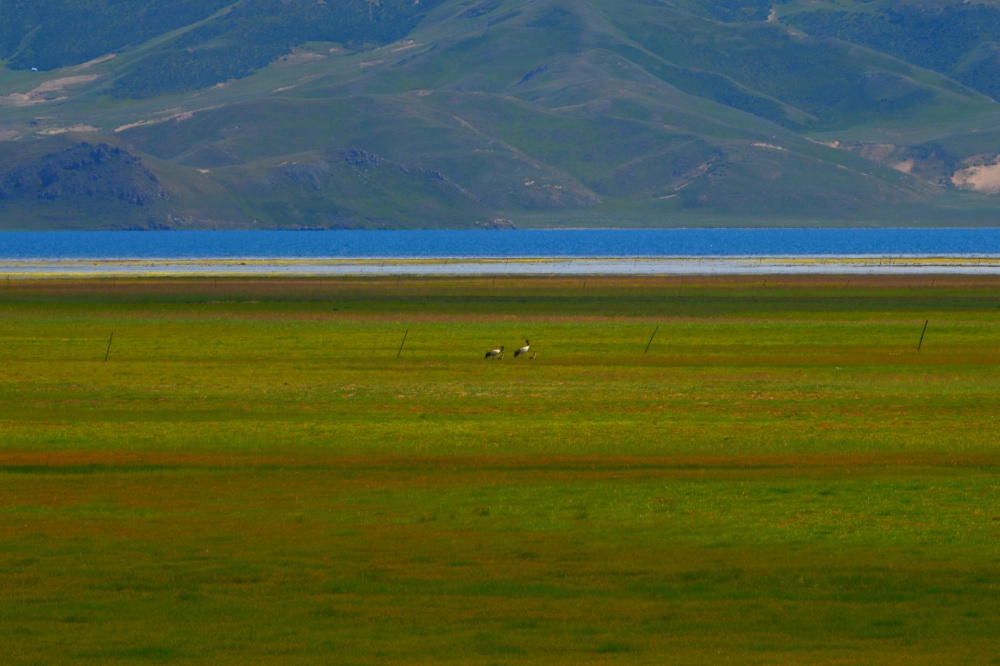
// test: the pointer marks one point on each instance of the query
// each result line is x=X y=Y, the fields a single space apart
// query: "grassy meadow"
x=254 y=476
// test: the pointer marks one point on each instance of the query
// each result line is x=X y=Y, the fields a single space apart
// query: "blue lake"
x=56 y=245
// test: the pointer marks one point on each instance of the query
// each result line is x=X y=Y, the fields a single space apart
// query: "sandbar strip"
x=853 y=265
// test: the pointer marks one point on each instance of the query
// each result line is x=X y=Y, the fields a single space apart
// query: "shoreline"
x=277 y=267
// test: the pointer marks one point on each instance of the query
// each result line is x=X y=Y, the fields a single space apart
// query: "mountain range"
x=498 y=113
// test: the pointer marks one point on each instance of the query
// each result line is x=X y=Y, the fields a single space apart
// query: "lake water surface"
x=597 y=243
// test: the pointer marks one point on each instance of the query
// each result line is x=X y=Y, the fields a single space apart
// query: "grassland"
x=253 y=476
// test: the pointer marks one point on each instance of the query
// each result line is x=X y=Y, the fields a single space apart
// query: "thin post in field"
x=919 y=344
x=402 y=343
x=650 y=340
x=109 y=346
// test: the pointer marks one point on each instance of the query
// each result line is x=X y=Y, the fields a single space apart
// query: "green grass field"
x=253 y=475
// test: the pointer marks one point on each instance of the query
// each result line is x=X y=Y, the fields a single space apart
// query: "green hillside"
x=447 y=113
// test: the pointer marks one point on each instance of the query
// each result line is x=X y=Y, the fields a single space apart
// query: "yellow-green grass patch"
x=253 y=475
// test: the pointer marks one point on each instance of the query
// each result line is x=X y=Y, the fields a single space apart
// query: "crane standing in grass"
x=495 y=353
x=524 y=349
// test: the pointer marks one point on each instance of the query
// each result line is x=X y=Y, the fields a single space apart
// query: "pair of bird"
x=498 y=353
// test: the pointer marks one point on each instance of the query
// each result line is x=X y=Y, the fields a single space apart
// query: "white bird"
x=495 y=353
x=524 y=349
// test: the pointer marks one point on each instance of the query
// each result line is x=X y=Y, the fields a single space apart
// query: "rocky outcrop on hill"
x=99 y=173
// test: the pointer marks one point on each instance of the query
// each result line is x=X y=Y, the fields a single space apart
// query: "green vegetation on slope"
x=535 y=111
x=252 y=475
x=47 y=34
x=247 y=36
x=256 y=32
x=958 y=39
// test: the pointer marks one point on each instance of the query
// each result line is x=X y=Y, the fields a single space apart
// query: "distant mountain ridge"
x=459 y=113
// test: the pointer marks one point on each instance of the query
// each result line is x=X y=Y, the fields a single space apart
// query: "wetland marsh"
x=253 y=474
